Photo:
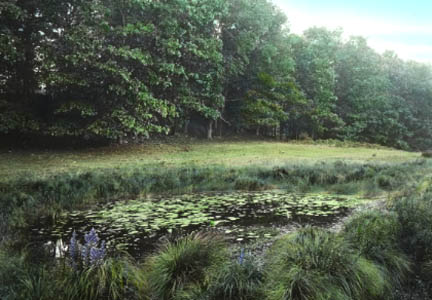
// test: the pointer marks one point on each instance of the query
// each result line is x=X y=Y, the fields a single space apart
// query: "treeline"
x=138 y=68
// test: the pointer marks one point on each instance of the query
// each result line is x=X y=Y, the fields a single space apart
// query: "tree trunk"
x=186 y=127
x=210 y=130
x=257 y=131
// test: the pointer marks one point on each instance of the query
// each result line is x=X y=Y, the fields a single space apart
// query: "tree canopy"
x=139 y=68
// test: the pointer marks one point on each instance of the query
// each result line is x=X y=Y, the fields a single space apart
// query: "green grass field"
x=201 y=153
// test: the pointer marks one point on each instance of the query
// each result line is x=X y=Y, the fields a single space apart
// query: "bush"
x=184 y=267
x=376 y=235
x=315 y=264
x=427 y=154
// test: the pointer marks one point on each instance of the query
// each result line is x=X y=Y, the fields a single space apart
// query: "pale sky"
x=402 y=26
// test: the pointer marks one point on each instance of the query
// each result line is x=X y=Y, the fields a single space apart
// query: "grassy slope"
x=227 y=153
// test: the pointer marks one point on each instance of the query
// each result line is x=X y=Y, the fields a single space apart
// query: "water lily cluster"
x=89 y=254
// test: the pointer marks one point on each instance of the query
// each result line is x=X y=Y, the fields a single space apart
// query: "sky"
x=403 y=26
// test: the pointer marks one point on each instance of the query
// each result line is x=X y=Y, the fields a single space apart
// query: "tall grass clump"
x=414 y=210
x=375 y=234
x=114 y=278
x=12 y=268
x=20 y=279
x=415 y=218
x=313 y=264
x=239 y=280
x=182 y=269
x=88 y=273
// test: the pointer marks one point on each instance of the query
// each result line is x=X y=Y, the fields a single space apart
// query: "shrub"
x=384 y=181
x=427 y=153
x=376 y=235
x=184 y=267
x=304 y=136
x=240 y=280
x=249 y=184
x=315 y=264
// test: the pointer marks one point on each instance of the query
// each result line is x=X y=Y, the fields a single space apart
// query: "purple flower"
x=241 y=257
x=73 y=245
x=89 y=254
x=91 y=237
x=73 y=250
x=97 y=254
x=84 y=254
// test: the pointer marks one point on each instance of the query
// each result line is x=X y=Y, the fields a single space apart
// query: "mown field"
x=200 y=153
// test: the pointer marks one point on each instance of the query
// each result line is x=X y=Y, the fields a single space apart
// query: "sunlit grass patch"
x=228 y=153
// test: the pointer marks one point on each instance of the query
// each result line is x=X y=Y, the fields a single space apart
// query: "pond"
x=243 y=217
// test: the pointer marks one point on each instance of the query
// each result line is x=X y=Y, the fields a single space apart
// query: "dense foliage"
x=135 y=68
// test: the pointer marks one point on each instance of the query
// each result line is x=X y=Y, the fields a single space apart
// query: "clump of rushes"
x=414 y=216
x=240 y=280
x=111 y=279
x=314 y=264
x=375 y=234
x=182 y=269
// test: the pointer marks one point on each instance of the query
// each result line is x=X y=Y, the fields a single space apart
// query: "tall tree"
x=315 y=72
x=365 y=102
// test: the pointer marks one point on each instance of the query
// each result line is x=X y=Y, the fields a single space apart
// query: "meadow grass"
x=199 y=153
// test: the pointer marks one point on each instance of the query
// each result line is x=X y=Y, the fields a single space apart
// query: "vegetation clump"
x=375 y=234
x=427 y=154
x=182 y=269
x=238 y=280
x=315 y=264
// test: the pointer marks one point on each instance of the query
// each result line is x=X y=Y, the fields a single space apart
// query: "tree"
x=270 y=104
x=254 y=46
x=314 y=54
x=365 y=102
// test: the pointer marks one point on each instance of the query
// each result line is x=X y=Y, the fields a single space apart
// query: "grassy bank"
x=26 y=198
